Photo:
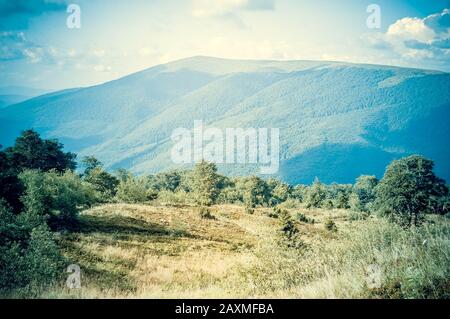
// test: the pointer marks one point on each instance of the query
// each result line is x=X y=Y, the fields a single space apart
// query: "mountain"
x=336 y=120
x=15 y=94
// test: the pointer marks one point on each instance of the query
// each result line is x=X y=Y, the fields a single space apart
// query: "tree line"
x=41 y=193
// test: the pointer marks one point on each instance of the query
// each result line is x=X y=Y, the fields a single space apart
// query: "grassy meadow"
x=159 y=251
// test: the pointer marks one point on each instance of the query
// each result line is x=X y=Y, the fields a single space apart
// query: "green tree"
x=103 y=182
x=90 y=163
x=255 y=192
x=316 y=194
x=55 y=196
x=28 y=253
x=279 y=192
x=29 y=152
x=134 y=190
x=364 y=190
x=205 y=183
x=410 y=189
x=32 y=152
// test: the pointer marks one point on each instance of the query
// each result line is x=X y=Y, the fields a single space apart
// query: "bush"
x=29 y=256
x=364 y=193
x=290 y=234
x=316 y=195
x=177 y=198
x=249 y=210
x=134 y=190
x=275 y=213
x=255 y=191
x=55 y=196
x=205 y=213
x=330 y=225
x=357 y=215
x=103 y=183
x=302 y=218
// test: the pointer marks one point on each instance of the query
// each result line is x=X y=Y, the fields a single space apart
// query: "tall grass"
x=409 y=263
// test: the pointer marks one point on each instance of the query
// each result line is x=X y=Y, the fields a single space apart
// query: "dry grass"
x=145 y=251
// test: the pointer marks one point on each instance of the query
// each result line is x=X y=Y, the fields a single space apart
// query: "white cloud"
x=415 y=41
x=410 y=28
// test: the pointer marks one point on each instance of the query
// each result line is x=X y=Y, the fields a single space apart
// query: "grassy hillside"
x=158 y=251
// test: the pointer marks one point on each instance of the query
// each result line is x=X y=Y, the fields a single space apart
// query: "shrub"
x=275 y=213
x=55 y=196
x=316 y=195
x=29 y=256
x=255 y=191
x=289 y=232
x=134 y=190
x=357 y=215
x=205 y=213
x=304 y=219
x=330 y=225
x=103 y=182
x=249 y=210
x=364 y=193
x=177 y=198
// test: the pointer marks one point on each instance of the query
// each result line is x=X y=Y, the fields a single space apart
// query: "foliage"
x=304 y=219
x=205 y=213
x=279 y=192
x=90 y=163
x=289 y=231
x=255 y=191
x=28 y=253
x=55 y=196
x=134 y=190
x=410 y=189
x=330 y=225
x=103 y=182
x=29 y=152
x=204 y=183
x=364 y=193
x=316 y=195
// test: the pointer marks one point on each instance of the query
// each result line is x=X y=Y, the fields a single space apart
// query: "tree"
x=168 y=181
x=28 y=253
x=55 y=197
x=29 y=152
x=316 y=195
x=255 y=192
x=134 y=190
x=103 y=182
x=10 y=186
x=90 y=163
x=410 y=189
x=32 y=152
x=279 y=192
x=205 y=183
x=364 y=190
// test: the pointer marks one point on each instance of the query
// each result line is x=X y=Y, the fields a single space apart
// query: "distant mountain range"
x=336 y=120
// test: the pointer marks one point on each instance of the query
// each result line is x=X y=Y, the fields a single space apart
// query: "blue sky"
x=117 y=38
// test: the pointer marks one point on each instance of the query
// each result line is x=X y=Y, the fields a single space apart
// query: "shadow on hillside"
x=126 y=226
x=105 y=273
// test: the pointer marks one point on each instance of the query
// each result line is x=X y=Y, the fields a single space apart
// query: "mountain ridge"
x=327 y=112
